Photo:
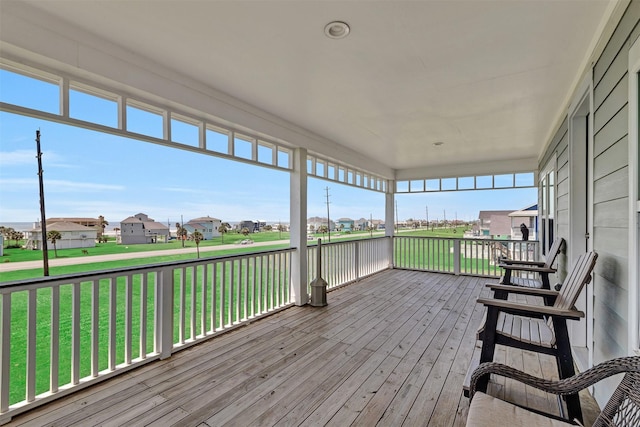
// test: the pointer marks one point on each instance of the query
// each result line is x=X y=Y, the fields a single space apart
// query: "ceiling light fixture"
x=336 y=30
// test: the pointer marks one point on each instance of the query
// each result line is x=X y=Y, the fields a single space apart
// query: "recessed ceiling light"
x=336 y=30
x=438 y=143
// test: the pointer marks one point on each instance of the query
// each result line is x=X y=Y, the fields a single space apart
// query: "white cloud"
x=56 y=185
x=181 y=190
x=28 y=157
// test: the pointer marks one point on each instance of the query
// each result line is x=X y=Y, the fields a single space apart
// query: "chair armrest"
x=533 y=269
x=562 y=387
x=523 y=290
x=516 y=262
x=531 y=310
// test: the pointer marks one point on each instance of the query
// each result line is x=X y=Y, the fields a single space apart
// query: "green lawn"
x=19 y=255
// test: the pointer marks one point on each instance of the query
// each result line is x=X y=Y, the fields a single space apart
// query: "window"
x=547 y=206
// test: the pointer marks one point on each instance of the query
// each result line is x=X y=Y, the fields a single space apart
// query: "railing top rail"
x=355 y=240
x=466 y=238
x=18 y=285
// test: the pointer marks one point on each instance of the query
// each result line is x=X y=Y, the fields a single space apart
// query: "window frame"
x=634 y=199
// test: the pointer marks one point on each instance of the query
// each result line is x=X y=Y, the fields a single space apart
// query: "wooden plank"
x=380 y=385
x=418 y=376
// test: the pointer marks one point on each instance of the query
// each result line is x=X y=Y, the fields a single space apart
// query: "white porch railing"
x=63 y=333
x=478 y=257
x=346 y=262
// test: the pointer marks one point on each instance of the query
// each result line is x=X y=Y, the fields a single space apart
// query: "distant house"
x=73 y=236
x=206 y=225
x=527 y=216
x=506 y=224
x=494 y=223
x=314 y=223
x=140 y=229
x=345 y=224
x=87 y=222
x=252 y=226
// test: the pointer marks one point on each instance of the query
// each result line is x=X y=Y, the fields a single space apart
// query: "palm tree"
x=103 y=224
x=181 y=232
x=53 y=236
x=224 y=227
x=197 y=237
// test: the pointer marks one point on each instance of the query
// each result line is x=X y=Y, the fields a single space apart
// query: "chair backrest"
x=623 y=408
x=579 y=276
x=553 y=252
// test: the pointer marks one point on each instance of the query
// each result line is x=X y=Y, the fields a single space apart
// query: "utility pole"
x=328 y=218
x=445 y=218
x=182 y=230
x=43 y=217
x=427 y=209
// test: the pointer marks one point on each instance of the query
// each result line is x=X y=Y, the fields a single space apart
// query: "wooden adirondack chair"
x=622 y=410
x=542 y=268
x=537 y=328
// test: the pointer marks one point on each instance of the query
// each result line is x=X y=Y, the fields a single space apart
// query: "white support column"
x=298 y=226
x=389 y=218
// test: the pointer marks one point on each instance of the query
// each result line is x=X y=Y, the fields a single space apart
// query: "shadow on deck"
x=389 y=350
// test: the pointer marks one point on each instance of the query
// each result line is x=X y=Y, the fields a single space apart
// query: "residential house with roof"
x=252 y=226
x=139 y=228
x=494 y=223
x=87 y=222
x=345 y=224
x=206 y=225
x=314 y=223
x=73 y=235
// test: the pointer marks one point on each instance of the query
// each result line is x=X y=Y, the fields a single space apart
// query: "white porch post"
x=389 y=220
x=298 y=227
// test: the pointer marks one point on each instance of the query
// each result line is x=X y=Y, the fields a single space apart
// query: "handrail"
x=471 y=256
x=348 y=261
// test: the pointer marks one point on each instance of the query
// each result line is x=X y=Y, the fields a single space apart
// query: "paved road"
x=56 y=262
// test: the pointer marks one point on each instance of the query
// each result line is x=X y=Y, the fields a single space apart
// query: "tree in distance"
x=197 y=237
x=53 y=236
x=181 y=232
x=224 y=228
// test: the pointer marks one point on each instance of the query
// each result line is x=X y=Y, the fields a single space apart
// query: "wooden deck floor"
x=390 y=350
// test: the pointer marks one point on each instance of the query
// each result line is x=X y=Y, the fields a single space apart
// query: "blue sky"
x=87 y=174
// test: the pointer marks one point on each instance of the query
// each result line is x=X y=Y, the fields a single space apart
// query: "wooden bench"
x=542 y=329
x=542 y=269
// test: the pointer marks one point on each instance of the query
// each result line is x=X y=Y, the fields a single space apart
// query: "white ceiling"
x=487 y=78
